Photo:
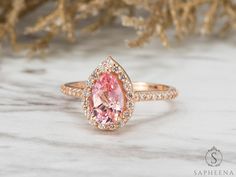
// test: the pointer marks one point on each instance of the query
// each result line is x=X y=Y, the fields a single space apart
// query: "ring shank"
x=142 y=91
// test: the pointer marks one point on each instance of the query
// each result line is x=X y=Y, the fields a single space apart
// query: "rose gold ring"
x=109 y=95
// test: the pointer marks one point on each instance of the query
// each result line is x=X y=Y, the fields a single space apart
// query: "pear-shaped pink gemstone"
x=107 y=99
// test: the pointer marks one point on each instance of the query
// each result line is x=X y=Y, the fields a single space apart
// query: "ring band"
x=142 y=91
x=109 y=95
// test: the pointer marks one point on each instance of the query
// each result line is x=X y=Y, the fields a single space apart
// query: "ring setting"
x=109 y=95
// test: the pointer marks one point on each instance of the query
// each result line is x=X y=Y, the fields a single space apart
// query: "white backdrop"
x=43 y=133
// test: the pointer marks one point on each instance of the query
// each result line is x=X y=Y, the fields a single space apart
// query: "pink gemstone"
x=107 y=100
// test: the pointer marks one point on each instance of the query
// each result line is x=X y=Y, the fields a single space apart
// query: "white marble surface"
x=44 y=134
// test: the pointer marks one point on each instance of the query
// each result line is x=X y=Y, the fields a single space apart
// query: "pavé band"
x=142 y=91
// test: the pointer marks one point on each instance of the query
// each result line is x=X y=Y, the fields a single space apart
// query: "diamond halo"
x=111 y=67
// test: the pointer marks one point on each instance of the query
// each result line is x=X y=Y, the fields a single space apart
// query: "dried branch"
x=158 y=18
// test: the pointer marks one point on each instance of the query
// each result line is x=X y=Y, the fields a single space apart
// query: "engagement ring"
x=109 y=95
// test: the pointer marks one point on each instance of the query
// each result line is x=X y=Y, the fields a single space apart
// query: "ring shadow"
x=148 y=120
x=172 y=108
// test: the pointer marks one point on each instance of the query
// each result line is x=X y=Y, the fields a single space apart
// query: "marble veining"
x=44 y=133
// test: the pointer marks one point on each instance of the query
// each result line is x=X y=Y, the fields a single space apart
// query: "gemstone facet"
x=107 y=100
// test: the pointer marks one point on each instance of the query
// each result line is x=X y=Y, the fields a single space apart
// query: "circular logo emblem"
x=213 y=157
